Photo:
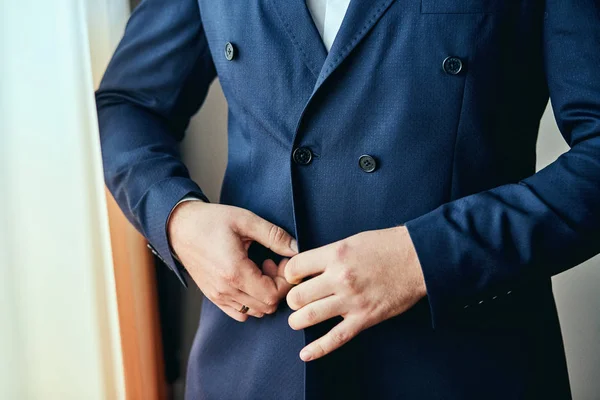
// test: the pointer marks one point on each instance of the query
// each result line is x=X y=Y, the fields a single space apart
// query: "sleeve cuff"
x=155 y=209
x=443 y=280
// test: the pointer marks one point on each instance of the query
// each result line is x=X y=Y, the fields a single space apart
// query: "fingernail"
x=294 y=245
x=305 y=355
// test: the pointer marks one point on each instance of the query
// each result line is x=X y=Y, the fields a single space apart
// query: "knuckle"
x=276 y=235
x=244 y=218
x=218 y=296
x=311 y=315
x=271 y=300
x=222 y=289
x=232 y=277
x=349 y=278
x=297 y=298
x=320 y=349
x=254 y=273
x=362 y=302
x=270 y=309
x=243 y=221
x=341 y=250
x=339 y=337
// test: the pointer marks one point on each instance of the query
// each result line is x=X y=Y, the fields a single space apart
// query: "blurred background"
x=86 y=312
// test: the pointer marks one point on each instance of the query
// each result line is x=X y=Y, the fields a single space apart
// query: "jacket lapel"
x=361 y=16
x=302 y=31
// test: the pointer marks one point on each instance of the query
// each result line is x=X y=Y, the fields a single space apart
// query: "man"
x=386 y=169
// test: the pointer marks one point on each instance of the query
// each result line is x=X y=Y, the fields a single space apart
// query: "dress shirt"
x=328 y=16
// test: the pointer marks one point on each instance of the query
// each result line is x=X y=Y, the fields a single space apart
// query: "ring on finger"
x=244 y=309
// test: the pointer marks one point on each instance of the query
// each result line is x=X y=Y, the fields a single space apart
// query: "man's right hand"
x=212 y=241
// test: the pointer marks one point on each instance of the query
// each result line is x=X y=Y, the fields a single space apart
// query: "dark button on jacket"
x=367 y=163
x=302 y=156
x=453 y=65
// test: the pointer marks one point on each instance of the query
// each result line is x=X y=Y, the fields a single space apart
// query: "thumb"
x=269 y=235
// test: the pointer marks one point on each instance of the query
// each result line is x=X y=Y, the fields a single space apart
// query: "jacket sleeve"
x=491 y=243
x=157 y=79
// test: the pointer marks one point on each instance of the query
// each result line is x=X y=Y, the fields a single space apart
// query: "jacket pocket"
x=463 y=6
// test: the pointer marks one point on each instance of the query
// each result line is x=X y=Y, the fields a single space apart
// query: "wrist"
x=178 y=215
x=411 y=261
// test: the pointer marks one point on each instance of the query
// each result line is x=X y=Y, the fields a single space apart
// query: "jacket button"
x=302 y=156
x=453 y=65
x=229 y=51
x=367 y=163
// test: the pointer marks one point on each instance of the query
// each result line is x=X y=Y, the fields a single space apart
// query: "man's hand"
x=212 y=241
x=366 y=278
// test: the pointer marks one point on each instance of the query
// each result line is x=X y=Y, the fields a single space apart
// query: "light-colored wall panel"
x=577 y=293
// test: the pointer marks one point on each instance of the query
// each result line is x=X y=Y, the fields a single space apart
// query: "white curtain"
x=59 y=334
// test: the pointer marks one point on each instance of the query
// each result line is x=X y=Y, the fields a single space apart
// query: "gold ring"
x=244 y=309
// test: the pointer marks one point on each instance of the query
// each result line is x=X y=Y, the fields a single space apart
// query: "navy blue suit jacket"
x=455 y=149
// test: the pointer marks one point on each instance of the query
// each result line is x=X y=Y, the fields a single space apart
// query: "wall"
x=576 y=293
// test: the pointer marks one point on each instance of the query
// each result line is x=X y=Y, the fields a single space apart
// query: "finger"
x=233 y=313
x=270 y=268
x=305 y=264
x=308 y=291
x=275 y=272
x=269 y=235
x=238 y=306
x=252 y=282
x=334 y=339
x=257 y=306
x=316 y=312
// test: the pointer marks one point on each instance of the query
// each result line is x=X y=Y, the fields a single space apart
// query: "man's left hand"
x=366 y=279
